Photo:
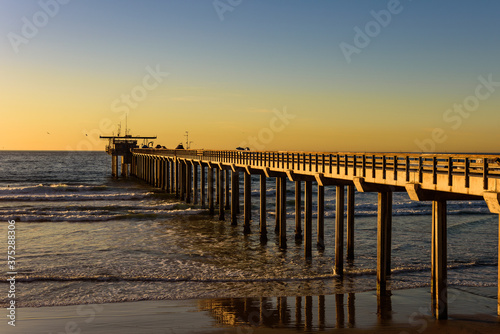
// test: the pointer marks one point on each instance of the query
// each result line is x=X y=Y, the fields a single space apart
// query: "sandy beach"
x=406 y=311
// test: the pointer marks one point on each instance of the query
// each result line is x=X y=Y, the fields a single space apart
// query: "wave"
x=52 y=188
x=95 y=216
x=73 y=197
x=31 y=278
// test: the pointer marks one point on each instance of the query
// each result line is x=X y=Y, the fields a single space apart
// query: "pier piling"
x=220 y=189
x=227 y=190
x=308 y=220
x=339 y=231
x=247 y=202
x=211 y=200
x=263 y=206
x=439 y=260
x=195 y=183
x=277 y=206
x=282 y=212
x=321 y=218
x=298 y=211
x=350 y=222
x=234 y=198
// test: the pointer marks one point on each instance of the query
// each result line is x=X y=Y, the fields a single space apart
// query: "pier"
x=210 y=178
x=122 y=147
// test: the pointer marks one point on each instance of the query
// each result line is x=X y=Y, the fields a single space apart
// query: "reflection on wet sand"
x=301 y=312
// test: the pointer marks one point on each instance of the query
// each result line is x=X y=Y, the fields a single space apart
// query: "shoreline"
x=403 y=311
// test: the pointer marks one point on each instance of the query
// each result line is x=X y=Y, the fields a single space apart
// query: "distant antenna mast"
x=126 y=125
x=188 y=143
x=119 y=128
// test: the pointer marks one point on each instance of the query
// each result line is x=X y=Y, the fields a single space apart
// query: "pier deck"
x=436 y=178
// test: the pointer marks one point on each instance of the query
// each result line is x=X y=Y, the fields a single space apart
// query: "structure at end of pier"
x=122 y=147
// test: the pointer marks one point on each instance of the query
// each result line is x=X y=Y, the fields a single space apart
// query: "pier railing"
x=387 y=167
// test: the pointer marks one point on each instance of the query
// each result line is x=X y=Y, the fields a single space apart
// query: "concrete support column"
x=382 y=241
x=350 y=222
x=211 y=200
x=124 y=167
x=220 y=189
x=228 y=192
x=167 y=175
x=176 y=178
x=132 y=166
x=217 y=185
x=151 y=170
x=388 y=240
x=152 y=175
x=195 y=183
x=298 y=211
x=339 y=231
x=277 y=207
x=247 y=184
x=234 y=198
x=321 y=218
x=140 y=163
x=282 y=229
x=158 y=174
x=162 y=173
x=182 y=179
x=172 y=176
x=114 y=166
x=439 y=287
x=238 y=209
x=202 y=186
x=155 y=172
x=189 y=173
x=308 y=220
x=263 y=210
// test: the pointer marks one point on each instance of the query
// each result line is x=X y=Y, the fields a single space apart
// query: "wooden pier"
x=435 y=178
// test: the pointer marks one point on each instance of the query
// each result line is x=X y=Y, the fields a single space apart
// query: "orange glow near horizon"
x=226 y=82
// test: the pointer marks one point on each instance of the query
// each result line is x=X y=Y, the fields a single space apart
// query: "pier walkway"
x=436 y=178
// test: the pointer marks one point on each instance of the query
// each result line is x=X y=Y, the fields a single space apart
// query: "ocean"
x=83 y=237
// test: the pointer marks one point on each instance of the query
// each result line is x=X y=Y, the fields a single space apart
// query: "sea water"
x=85 y=237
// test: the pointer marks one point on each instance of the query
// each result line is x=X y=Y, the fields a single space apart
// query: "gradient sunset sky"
x=319 y=75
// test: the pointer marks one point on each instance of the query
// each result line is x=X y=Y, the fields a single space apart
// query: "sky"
x=298 y=75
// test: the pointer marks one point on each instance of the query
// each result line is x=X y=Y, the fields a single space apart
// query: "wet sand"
x=405 y=311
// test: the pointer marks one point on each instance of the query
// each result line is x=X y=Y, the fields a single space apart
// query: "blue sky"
x=227 y=76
